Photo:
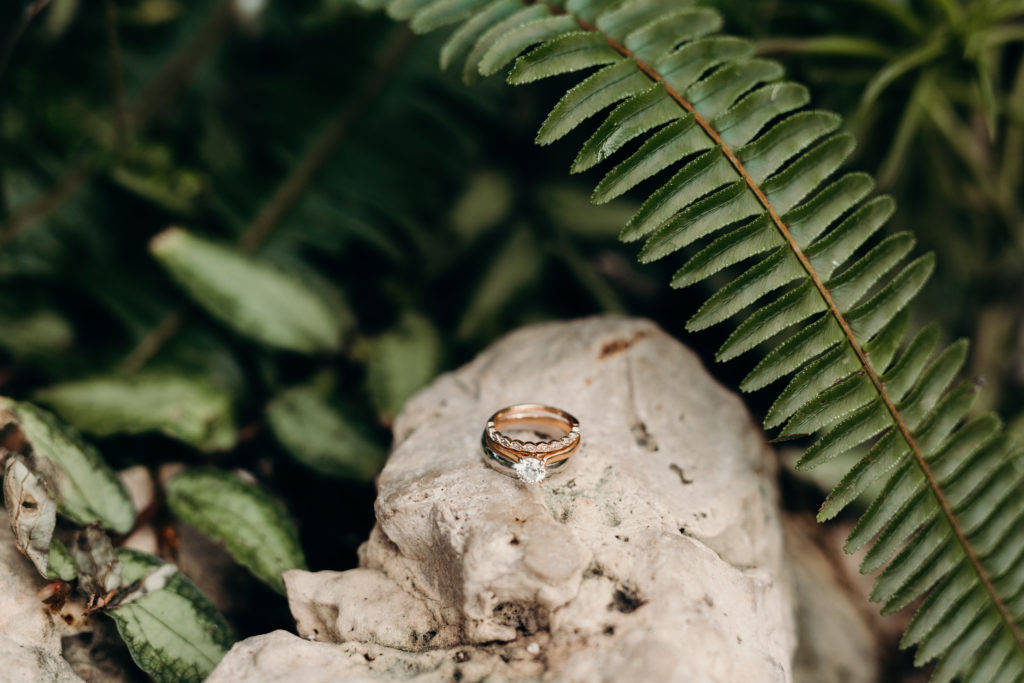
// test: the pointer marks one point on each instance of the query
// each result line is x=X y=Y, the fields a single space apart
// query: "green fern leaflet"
x=757 y=181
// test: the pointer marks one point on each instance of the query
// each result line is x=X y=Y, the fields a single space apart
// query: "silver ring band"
x=530 y=461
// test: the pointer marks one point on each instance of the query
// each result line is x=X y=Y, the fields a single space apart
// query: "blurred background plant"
x=312 y=148
x=934 y=91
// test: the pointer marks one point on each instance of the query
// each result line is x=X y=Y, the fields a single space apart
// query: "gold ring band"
x=530 y=461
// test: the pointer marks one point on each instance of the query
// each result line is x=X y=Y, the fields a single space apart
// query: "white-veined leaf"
x=173 y=631
x=86 y=489
x=255 y=298
x=254 y=527
x=190 y=409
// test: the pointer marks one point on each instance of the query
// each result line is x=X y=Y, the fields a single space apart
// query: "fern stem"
x=837 y=315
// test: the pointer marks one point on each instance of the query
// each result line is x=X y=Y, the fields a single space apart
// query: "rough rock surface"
x=657 y=555
x=30 y=635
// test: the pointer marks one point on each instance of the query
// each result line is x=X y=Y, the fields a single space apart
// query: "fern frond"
x=754 y=179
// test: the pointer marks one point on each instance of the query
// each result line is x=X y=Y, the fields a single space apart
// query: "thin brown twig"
x=337 y=129
x=121 y=125
x=42 y=206
x=390 y=56
x=180 y=68
x=154 y=340
x=27 y=15
x=175 y=73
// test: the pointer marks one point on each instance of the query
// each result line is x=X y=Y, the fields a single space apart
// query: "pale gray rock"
x=30 y=633
x=27 y=663
x=841 y=635
x=657 y=555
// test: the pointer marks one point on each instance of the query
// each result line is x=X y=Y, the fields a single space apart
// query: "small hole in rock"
x=626 y=599
x=527 y=618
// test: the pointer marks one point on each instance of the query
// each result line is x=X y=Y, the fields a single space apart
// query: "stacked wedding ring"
x=530 y=461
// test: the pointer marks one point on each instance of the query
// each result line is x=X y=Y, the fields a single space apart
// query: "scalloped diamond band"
x=530 y=461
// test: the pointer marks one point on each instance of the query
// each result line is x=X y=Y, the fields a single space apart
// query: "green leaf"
x=928 y=391
x=464 y=37
x=828 y=369
x=511 y=44
x=444 y=13
x=832 y=250
x=774 y=271
x=866 y=422
x=809 y=220
x=173 y=632
x=732 y=204
x=791 y=308
x=471 y=71
x=850 y=286
x=405 y=9
x=86 y=489
x=400 y=362
x=253 y=297
x=663 y=149
x=868 y=318
x=718 y=92
x=604 y=88
x=837 y=401
x=565 y=54
x=636 y=116
x=923 y=561
x=683 y=67
x=189 y=409
x=739 y=124
x=254 y=527
x=771 y=150
x=750 y=239
x=321 y=437
x=814 y=339
x=483 y=205
x=569 y=207
x=627 y=17
x=705 y=174
x=36 y=334
x=789 y=186
x=829 y=45
x=655 y=39
x=904 y=374
x=899 y=67
x=61 y=564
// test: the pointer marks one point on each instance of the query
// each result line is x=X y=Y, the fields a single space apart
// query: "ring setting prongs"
x=530 y=461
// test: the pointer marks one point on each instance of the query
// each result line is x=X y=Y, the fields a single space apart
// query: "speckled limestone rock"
x=657 y=555
x=30 y=635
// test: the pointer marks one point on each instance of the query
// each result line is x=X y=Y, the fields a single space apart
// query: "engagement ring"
x=509 y=446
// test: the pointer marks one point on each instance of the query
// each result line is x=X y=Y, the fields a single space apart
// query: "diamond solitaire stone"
x=530 y=470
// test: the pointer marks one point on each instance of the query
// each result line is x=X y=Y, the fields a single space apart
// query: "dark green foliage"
x=314 y=147
x=254 y=527
x=751 y=184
